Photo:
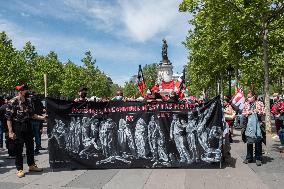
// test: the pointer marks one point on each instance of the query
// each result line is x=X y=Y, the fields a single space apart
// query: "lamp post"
x=230 y=70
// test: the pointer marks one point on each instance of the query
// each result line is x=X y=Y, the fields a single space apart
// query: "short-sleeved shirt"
x=18 y=111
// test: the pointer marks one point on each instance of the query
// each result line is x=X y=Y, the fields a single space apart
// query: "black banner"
x=119 y=134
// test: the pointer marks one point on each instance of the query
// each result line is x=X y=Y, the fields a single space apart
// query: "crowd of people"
x=21 y=121
x=150 y=96
x=22 y=117
x=250 y=120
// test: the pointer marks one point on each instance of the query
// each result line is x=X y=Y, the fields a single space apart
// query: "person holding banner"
x=83 y=92
x=19 y=114
x=119 y=96
x=253 y=110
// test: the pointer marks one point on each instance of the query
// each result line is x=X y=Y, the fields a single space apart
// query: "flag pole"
x=45 y=85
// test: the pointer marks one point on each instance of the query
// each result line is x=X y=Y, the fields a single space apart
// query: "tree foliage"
x=26 y=66
x=231 y=32
x=150 y=77
x=245 y=33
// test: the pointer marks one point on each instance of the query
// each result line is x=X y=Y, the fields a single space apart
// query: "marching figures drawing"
x=107 y=143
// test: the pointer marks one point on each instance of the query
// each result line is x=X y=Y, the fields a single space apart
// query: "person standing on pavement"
x=253 y=110
x=230 y=116
x=9 y=142
x=2 y=102
x=19 y=114
x=36 y=124
x=278 y=112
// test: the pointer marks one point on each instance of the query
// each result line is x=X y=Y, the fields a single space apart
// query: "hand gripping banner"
x=119 y=134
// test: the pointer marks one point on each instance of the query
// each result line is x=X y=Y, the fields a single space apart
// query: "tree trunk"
x=266 y=81
x=221 y=88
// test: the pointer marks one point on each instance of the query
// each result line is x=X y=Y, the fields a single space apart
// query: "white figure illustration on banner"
x=77 y=136
x=191 y=136
x=141 y=138
x=108 y=135
x=59 y=133
x=70 y=141
x=204 y=133
x=125 y=138
x=176 y=134
x=156 y=141
x=95 y=130
x=152 y=138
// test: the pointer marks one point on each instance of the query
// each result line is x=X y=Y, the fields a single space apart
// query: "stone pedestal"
x=165 y=72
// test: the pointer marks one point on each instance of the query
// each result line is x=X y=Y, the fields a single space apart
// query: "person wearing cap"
x=19 y=112
x=83 y=91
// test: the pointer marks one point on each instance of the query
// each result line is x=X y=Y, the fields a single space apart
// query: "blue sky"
x=121 y=34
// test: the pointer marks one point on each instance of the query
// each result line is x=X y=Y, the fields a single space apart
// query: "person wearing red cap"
x=19 y=112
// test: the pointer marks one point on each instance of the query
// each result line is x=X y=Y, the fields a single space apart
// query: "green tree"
x=51 y=66
x=29 y=54
x=130 y=89
x=72 y=79
x=13 y=70
x=150 y=75
x=235 y=32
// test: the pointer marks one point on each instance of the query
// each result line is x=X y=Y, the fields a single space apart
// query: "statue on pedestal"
x=165 y=52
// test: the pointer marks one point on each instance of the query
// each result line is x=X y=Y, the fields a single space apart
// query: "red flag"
x=140 y=81
x=238 y=101
x=155 y=88
x=180 y=85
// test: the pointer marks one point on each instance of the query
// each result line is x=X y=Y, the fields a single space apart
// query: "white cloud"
x=138 y=20
x=113 y=54
x=24 y=14
x=126 y=21
x=145 y=18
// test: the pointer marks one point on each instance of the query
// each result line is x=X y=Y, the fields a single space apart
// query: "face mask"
x=119 y=97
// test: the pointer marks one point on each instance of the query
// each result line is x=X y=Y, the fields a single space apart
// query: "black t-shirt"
x=37 y=105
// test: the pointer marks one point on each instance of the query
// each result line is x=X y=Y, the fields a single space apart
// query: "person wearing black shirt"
x=9 y=142
x=83 y=92
x=19 y=113
x=36 y=124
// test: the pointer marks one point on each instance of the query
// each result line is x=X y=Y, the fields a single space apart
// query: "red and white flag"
x=180 y=85
x=238 y=101
x=140 y=81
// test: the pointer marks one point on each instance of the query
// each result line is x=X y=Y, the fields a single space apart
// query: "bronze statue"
x=165 y=51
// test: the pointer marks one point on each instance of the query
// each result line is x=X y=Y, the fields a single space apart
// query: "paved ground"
x=234 y=174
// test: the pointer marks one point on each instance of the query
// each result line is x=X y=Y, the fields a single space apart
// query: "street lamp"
x=230 y=71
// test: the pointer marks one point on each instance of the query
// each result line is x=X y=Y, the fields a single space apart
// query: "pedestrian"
x=278 y=112
x=19 y=114
x=230 y=116
x=2 y=102
x=9 y=142
x=36 y=124
x=253 y=110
